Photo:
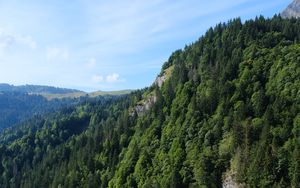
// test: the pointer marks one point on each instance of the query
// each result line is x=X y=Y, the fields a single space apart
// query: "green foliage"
x=16 y=107
x=231 y=103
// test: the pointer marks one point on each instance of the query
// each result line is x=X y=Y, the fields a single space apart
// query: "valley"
x=224 y=111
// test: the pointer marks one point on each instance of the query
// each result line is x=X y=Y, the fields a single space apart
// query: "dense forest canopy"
x=231 y=106
x=21 y=103
x=16 y=107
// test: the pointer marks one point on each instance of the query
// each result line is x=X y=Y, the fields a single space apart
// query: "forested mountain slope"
x=20 y=103
x=231 y=105
x=16 y=107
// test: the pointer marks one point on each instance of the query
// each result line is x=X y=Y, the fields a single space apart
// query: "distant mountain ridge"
x=20 y=103
x=293 y=10
x=16 y=107
x=36 y=89
x=51 y=92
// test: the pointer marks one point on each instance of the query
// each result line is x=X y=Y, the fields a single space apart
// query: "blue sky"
x=106 y=45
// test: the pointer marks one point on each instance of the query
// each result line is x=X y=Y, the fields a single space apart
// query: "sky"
x=106 y=45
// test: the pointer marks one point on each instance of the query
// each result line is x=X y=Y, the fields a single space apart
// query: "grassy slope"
x=82 y=94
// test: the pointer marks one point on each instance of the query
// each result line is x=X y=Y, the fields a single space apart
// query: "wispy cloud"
x=130 y=37
x=97 y=79
x=28 y=41
x=5 y=42
x=57 y=53
x=9 y=40
x=111 y=78
x=92 y=62
x=144 y=23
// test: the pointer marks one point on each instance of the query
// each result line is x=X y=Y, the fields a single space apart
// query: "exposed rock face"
x=293 y=10
x=230 y=182
x=160 y=80
x=140 y=109
x=149 y=100
x=146 y=104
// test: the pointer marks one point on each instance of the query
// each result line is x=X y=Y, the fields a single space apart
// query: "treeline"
x=16 y=107
x=231 y=106
x=36 y=89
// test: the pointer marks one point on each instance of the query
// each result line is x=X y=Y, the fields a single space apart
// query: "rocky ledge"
x=146 y=103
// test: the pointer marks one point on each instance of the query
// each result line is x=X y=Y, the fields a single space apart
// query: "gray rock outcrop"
x=160 y=80
x=293 y=10
x=230 y=181
x=140 y=109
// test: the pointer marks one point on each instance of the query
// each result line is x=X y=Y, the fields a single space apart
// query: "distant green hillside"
x=19 y=103
x=101 y=93
x=51 y=93
x=16 y=107
x=51 y=96
x=35 y=89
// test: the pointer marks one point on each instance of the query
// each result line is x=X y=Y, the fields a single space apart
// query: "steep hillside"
x=293 y=10
x=228 y=111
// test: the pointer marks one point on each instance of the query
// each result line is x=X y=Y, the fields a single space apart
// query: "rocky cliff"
x=150 y=99
x=293 y=10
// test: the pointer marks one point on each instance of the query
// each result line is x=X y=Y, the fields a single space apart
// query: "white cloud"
x=145 y=23
x=112 y=78
x=92 y=62
x=97 y=78
x=109 y=37
x=8 y=40
x=28 y=41
x=5 y=41
x=57 y=53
